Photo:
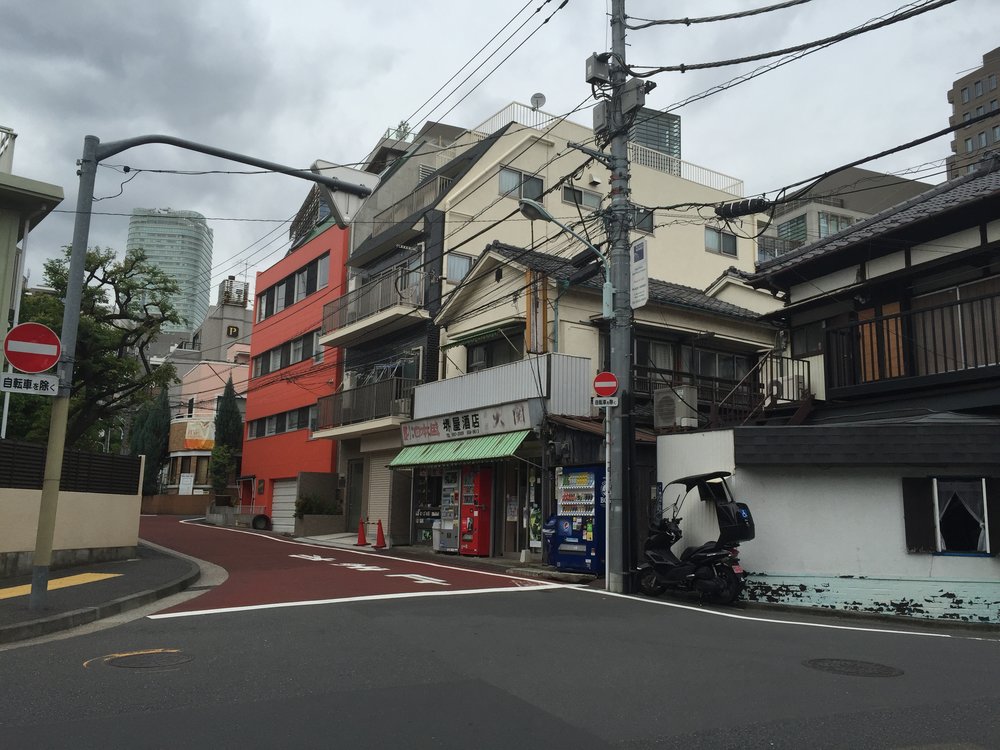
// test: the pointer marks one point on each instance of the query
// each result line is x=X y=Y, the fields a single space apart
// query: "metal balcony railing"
x=7 y=137
x=946 y=339
x=420 y=198
x=769 y=248
x=653 y=159
x=396 y=286
x=392 y=397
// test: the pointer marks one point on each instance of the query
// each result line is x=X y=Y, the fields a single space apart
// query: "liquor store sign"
x=490 y=420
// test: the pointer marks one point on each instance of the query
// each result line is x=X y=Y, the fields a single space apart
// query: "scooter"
x=713 y=569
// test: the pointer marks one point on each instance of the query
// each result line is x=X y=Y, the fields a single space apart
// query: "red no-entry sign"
x=32 y=347
x=605 y=384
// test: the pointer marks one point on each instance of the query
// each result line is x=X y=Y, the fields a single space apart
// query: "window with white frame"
x=952 y=515
x=968 y=145
x=996 y=133
x=830 y=223
x=458 y=266
x=965 y=95
x=516 y=184
x=718 y=241
x=793 y=230
x=582 y=198
x=979 y=88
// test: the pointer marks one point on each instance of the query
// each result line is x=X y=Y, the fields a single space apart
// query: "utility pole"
x=93 y=153
x=618 y=224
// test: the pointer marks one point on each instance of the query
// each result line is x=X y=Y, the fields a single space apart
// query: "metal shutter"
x=283 y=505
x=379 y=487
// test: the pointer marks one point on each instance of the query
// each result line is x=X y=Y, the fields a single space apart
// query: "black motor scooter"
x=713 y=569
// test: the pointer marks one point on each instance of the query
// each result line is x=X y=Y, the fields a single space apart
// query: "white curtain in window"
x=970 y=494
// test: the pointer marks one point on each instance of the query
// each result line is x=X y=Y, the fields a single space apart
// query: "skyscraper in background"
x=180 y=244
x=975 y=94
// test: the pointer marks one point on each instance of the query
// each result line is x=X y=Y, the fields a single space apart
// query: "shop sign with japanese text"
x=490 y=420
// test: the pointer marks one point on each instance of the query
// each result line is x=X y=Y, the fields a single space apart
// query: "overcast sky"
x=302 y=80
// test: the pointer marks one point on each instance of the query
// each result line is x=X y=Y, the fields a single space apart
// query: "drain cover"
x=151 y=660
x=853 y=668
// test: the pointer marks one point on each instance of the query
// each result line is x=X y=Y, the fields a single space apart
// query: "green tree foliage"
x=123 y=308
x=221 y=468
x=229 y=421
x=151 y=437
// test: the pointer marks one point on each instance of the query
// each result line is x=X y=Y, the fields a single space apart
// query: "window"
x=458 y=266
x=965 y=95
x=979 y=88
x=515 y=184
x=289 y=353
x=968 y=145
x=793 y=229
x=499 y=351
x=323 y=272
x=294 y=287
x=717 y=241
x=959 y=515
x=642 y=219
x=807 y=340
x=980 y=111
x=994 y=105
x=996 y=133
x=832 y=223
x=583 y=198
x=982 y=140
x=288 y=421
x=966 y=117
x=279 y=297
x=993 y=81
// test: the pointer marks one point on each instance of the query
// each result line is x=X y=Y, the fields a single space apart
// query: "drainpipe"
x=564 y=285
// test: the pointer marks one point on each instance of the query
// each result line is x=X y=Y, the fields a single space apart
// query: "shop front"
x=476 y=480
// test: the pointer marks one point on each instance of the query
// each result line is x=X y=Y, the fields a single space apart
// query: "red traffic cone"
x=362 y=541
x=379 y=537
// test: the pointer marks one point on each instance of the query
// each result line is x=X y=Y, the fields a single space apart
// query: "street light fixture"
x=535 y=211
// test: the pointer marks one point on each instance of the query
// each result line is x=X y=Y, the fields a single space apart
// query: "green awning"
x=485 y=334
x=470 y=450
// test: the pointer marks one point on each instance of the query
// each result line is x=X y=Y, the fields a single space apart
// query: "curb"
x=76 y=618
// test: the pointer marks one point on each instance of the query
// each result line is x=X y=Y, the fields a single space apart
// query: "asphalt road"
x=545 y=667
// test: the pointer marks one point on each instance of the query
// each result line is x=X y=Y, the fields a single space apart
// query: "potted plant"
x=315 y=515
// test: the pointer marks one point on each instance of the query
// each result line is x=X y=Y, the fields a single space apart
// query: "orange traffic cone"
x=362 y=541
x=379 y=537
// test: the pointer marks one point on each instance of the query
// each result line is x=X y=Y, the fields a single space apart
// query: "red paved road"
x=265 y=569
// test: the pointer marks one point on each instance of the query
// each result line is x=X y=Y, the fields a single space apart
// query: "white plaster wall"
x=944 y=246
x=824 y=284
x=833 y=521
x=83 y=520
x=886 y=264
x=752 y=299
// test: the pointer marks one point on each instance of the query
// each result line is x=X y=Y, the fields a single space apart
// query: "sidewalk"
x=129 y=584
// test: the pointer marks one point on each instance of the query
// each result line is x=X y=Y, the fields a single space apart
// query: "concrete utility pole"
x=619 y=222
x=93 y=153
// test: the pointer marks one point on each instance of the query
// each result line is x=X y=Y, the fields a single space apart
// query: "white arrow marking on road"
x=360 y=566
x=420 y=579
x=314 y=558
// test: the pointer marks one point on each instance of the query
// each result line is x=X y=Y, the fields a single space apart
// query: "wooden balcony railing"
x=943 y=340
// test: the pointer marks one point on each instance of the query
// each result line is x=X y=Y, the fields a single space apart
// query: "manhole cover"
x=853 y=668
x=153 y=660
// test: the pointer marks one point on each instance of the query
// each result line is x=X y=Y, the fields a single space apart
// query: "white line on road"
x=751 y=618
x=374 y=597
x=379 y=555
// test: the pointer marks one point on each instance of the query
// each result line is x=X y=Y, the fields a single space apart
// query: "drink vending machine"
x=575 y=534
x=447 y=537
x=477 y=496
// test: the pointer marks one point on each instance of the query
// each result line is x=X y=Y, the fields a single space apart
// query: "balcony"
x=390 y=301
x=769 y=248
x=936 y=345
x=775 y=384
x=366 y=409
x=661 y=162
x=422 y=197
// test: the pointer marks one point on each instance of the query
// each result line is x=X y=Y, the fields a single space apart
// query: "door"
x=283 y=505
x=355 y=492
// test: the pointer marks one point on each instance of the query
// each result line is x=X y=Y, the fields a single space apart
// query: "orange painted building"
x=289 y=371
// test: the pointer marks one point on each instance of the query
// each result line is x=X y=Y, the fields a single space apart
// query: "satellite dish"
x=537 y=100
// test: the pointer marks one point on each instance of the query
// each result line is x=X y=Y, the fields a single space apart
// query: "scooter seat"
x=706 y=547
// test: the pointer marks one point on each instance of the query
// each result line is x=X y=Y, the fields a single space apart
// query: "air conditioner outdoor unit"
x=788 y=388
x=675 y=407
x=402 y=407
x=350 y=380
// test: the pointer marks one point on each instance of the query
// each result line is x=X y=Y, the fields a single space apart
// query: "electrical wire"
x=928 y=5
x=712 y=19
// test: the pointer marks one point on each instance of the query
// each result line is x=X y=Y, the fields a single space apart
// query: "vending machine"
x=476 y=495
x=448 y=524
x=576 y=540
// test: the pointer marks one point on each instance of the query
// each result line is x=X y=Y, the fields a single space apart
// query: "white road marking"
x=379 y=555
x=420 y=579
x=347 y=600
x=750 y=618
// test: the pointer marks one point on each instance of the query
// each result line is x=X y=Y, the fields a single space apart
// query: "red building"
x=289 y=371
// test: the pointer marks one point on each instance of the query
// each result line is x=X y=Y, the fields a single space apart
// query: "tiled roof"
x=662 y=292
x=945 y=197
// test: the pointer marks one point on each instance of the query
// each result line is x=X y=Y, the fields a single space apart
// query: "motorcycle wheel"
x=649 y=584
x=732 y=585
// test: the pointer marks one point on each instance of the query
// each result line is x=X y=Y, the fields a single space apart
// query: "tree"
x=123 y=308
x=228 y=420
x=221 y=469
x=151 y=437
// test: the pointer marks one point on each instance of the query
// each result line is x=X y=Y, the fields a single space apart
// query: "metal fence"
x=396 y=286
x=392 y=397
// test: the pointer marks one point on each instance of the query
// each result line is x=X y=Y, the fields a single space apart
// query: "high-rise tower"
x=180 y=244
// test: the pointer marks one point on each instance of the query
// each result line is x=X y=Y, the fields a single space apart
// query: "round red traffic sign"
x=31 y=347
x=605 y=384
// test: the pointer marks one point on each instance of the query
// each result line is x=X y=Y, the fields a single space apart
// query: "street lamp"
x=536 y=212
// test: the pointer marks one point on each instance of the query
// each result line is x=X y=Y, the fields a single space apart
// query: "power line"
x=819 y=43
x=712 y=19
